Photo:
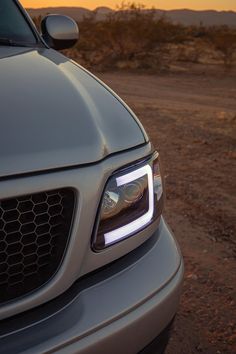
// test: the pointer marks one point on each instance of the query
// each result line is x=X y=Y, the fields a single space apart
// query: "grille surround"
x=34 y=234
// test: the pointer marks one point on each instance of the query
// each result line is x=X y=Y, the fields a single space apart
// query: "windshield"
x=13 y=26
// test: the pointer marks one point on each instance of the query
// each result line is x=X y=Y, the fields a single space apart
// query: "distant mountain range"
x=185 y=17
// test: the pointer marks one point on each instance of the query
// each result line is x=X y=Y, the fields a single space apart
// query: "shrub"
x=224 y=40
x=134 y=37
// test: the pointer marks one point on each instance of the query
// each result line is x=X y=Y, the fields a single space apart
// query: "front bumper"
x=119 y=309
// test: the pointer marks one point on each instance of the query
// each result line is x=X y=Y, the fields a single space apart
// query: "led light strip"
x=134 y=226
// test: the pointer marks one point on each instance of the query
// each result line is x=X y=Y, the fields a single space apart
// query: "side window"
x=12 y=23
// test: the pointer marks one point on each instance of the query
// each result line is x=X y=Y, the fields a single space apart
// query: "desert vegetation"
x=136 y=38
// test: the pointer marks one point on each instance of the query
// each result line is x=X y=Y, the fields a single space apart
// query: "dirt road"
x=191 y=120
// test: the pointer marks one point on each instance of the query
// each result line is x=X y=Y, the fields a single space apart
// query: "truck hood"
x=55 y=114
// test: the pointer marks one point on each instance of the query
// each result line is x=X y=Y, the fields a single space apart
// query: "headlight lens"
x=130 y=203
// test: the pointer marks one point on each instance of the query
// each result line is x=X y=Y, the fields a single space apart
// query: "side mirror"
x=59 y=32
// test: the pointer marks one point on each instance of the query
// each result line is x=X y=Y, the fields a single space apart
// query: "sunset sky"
x=161 y=4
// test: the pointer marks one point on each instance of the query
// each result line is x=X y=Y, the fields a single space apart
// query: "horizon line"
x=110 y=8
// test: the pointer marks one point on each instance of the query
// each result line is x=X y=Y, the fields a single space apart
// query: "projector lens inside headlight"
x=129 y=203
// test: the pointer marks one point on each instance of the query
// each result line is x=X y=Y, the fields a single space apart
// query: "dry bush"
x=135 y=38
x=131 y=37
x=37 y=22
x=224 y=41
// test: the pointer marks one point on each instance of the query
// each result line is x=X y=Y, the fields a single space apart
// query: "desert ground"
x=191 y=120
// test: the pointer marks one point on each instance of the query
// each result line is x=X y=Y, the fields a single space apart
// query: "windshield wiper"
x=11 y=43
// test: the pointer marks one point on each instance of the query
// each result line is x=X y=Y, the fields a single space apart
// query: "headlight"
x=131 y=201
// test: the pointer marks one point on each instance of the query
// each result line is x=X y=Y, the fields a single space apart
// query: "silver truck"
x=87 y=262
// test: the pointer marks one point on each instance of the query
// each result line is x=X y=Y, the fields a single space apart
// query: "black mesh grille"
x=34 y=230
